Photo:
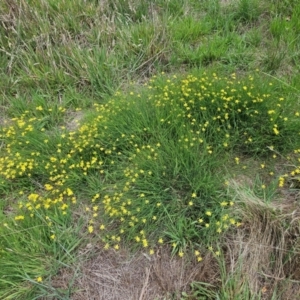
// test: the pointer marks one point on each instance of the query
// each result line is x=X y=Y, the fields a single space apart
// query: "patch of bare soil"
x=226 y=2
x=4 y=121
x=74 y=118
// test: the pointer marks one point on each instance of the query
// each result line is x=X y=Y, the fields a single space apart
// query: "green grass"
x=33 y=248
x=139 y=114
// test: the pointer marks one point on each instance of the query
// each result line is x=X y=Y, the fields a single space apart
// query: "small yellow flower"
x=145 y=243
x=95 y=197
x=197 y=253
x=208 y=213
x=191 y=203
x=275 y=130
x=102 y=227
x=48 y=187
x=180 y=253
x=39 y=279
x=160 y=241
x=151 y=252
x=199 y=258
x=69 y=192
x=194 y=195
x=91 y=229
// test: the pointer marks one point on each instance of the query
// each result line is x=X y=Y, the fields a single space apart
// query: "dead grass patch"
x=266 y=248
x=121 y=275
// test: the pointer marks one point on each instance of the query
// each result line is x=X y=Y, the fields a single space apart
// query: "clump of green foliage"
x=150 y=160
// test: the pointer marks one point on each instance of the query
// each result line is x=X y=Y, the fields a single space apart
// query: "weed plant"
x=150 y=160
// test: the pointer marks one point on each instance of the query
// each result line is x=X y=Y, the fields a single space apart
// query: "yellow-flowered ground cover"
x=152 y=162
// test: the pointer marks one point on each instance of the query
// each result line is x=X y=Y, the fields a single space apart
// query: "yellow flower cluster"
x=294 y=175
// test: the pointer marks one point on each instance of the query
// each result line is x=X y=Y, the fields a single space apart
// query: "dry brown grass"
x=265 y=250
x=121 y=275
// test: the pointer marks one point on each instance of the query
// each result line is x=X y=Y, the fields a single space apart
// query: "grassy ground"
x=149 y=150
